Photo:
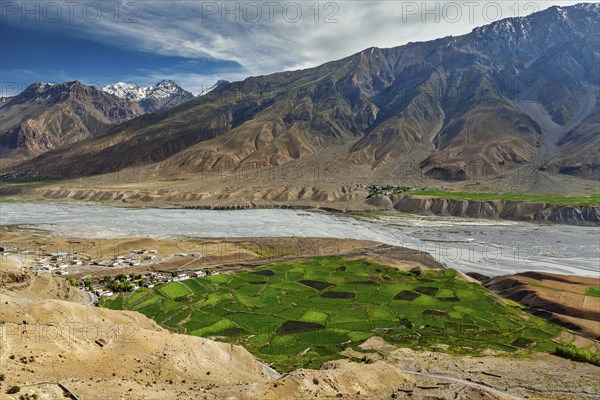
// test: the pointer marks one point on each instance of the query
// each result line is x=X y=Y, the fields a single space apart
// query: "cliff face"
x=511 y=210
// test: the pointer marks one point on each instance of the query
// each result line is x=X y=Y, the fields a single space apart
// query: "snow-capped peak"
x=133 y=92
x=164 y=89
x=129 y=91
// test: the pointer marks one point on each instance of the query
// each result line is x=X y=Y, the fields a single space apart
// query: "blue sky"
x=30 y=55
x=196 y=43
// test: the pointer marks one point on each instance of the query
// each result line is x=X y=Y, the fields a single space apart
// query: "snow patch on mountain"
x=130 y=91
x=164 y=89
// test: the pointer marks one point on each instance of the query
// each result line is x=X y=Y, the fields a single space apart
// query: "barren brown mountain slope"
x=45 y=116
x=449 y=107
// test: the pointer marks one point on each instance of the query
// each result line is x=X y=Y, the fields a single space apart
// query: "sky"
x=196 y=43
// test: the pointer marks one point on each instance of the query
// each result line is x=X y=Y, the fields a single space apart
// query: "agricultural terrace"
x=301 y=314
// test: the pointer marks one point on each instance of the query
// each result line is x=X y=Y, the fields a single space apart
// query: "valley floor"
x=108 y=354
x=331 y=186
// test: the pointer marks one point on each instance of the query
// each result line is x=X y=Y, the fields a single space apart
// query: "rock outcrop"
x=510 y=210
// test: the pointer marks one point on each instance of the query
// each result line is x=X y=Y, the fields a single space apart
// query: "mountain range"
x=162 y=96
x=46 y=116
x=519 y=91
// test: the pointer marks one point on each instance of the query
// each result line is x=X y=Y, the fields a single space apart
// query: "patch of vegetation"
x=119 y=283
x=137 y=296
x=592 y=200
x=175 y=290
x=314 y=316
x=573 y=353
x=592 y=291
x=388 y=190
x=301 y=314
x=145 y=302
x=116 y=304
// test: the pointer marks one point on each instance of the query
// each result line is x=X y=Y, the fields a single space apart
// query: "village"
x=105 y=285
x=111 y=285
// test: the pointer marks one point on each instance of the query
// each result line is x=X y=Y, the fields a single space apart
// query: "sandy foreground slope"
x=51 y=342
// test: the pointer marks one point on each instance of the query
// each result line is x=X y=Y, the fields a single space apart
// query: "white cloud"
x=281 y=40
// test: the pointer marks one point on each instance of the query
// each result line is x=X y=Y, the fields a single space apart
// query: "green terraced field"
x=593 y=291
x=591 y=200
x=301 y=314
x=174 y=290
